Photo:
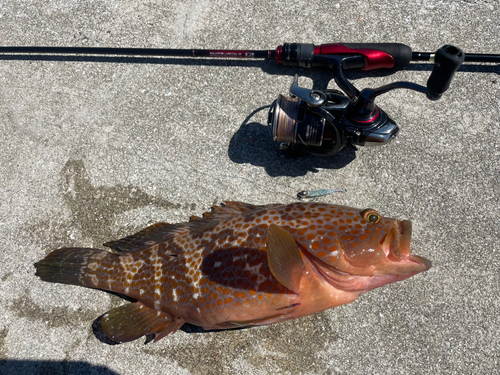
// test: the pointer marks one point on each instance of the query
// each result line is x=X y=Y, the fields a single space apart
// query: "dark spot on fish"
x=222 y=266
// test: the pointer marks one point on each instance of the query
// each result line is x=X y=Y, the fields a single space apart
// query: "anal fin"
x=129 y=322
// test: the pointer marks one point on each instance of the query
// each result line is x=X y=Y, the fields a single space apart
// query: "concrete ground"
x=94 y=148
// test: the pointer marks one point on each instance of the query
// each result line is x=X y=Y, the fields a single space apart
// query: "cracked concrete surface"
x=95 y=148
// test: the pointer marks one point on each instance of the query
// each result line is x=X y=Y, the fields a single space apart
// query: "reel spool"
x=296 y=125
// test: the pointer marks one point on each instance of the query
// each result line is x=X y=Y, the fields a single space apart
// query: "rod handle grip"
x=382 y=55
x=372 y=55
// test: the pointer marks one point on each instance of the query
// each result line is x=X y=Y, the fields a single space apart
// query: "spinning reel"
x=323 y=122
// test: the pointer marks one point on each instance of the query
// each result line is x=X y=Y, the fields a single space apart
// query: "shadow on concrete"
x=41 y=367
x=252 y=144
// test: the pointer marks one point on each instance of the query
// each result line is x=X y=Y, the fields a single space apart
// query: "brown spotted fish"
x=240 y=265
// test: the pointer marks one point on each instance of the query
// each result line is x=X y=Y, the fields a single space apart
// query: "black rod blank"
x=138 y=51
x=469 y=57
x=259 y=54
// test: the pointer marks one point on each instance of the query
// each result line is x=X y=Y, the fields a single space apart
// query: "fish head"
x=365 y=249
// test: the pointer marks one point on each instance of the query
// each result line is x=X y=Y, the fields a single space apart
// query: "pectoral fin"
x=129 y=322
x=284 y=258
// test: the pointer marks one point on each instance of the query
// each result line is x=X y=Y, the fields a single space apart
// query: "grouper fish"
x=240 y=265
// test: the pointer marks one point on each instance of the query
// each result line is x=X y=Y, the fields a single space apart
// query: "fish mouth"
x=397 y=248
x=399 y=264
x=396 y=243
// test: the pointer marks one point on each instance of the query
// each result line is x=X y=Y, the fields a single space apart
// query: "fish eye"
x=370 y=215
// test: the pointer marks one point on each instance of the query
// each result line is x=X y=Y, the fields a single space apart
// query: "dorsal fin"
x=150 y=236
x=284 y=258
x=228 y=209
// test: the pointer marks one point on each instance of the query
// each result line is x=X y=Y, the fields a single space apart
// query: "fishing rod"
x=375 y=55
x=321 y=122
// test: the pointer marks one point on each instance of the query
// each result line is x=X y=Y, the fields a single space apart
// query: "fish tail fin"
x=75 y=266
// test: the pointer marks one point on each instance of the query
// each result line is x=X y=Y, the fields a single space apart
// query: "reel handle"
x=446 y=62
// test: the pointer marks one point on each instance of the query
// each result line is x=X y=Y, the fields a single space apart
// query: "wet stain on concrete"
x=93 y=211
x=24 y=307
